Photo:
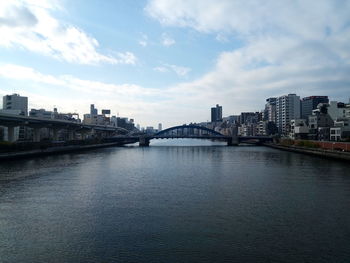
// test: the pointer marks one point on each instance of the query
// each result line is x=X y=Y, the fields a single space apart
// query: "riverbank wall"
x=333 y=150
x=54 y=150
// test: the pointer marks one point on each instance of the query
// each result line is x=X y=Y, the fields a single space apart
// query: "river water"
x=175 y=203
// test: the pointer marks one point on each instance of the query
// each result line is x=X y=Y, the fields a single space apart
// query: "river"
x=175 y=201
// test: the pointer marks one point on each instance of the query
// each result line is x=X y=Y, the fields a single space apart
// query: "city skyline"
x=169 y=62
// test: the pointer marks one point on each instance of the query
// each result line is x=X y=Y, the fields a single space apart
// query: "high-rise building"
x=270 y=110
x=16 y=102
x=287 y=109
x=216 y=113
x=93 y=111
x=308 y=104
x=159 y=127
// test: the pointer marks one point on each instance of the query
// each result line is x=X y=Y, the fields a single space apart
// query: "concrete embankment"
x=334 y=154
x=54 y=150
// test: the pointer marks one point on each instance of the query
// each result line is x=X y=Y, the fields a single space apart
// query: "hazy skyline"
x=170 y=61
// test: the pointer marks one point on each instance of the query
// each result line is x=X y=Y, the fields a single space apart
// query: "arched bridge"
x=191 y=131
x=188 y=131
x=199 y=132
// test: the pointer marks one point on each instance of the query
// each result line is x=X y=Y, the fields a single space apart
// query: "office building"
x=287 y=109
x=15 y=102
x=216 y=113
x=270 y=110
x=93 y=111
x=17 y=105
x=308 y=104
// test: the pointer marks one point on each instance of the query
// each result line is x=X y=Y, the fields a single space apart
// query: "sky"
x=170 y=61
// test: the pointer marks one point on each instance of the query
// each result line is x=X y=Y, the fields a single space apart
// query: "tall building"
x=93 y=111
x=216 y=113
x=15 y=102
x=159 y=127
x=270 y=110
x=287 y=109
x=308 y=104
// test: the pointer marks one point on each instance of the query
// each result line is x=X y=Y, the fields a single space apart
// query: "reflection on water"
x=168 y=203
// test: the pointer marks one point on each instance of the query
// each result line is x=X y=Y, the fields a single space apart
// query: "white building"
x=16 y=105
x=341 y=130
x=338 y=110
x=247 y=129
x=261 y=128
x=270 y=110
x=15 y=102
x=287 y=109
x=298 y=129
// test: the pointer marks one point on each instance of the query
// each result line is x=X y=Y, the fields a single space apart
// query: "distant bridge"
x=193 y=131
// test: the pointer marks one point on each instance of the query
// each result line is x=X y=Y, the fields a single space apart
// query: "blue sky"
x=170 y=61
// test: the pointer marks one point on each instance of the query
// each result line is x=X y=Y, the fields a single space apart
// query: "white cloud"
x=161 y=69
x=289 y=46
x=147 y=105
x=129 y=99
x=302 y=18
x=17 y=72
x=167 y=40
x=30 y=25
x=179 y=70
x=126 y=58
x=25 y=73
x=221 y=38
x=144 y=40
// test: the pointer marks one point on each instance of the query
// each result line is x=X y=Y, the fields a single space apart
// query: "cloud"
x=18 y=16
x=147 y=105
x=302 y=18
x=144 y=40
x=17 y=72
x=167 y=40
x=161 y=69
x=179 y=70
x=12 y=71
x=30 y=25
x=289 y=46
x=221 y=38
x=126 y=58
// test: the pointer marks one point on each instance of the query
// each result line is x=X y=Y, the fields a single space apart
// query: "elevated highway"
x=11 y=121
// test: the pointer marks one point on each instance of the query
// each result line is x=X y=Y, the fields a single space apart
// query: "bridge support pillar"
x=11 y=134
x=144 y=141
x=36 y=134
x=71 y=135
x=233 y=140
x=83 y=135
x=55 y=134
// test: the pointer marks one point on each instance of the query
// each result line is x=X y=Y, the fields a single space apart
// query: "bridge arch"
x=189 y=127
